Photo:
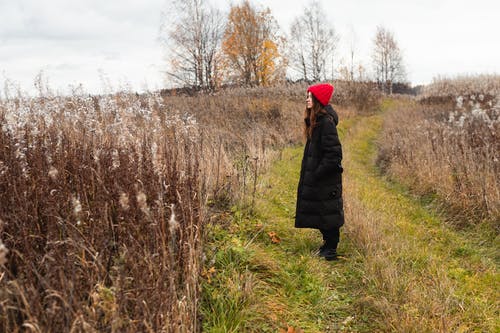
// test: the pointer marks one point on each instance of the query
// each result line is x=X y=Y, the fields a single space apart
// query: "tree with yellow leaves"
x=251 y=46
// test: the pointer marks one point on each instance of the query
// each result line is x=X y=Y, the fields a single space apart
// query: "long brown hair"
x=312 y=114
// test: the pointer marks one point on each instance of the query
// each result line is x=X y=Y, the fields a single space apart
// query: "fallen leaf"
x=274 y=237
x=207 y=273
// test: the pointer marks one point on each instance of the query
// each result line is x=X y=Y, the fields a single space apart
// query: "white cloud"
x=73 y=40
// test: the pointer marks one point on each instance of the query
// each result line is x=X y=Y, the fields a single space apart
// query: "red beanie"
x=322 y=91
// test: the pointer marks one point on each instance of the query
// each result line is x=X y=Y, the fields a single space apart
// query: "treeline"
x=208 y=49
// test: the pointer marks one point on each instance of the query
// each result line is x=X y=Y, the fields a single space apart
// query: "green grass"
x=430 y=268
x=290 y=286
x=403 y=268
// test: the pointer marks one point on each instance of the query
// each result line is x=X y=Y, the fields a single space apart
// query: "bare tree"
x=348 y=67
x=193 y=32
x=298 y=51
x=212 y=37
x=313 y=42
x=352 y=52
x=387 y=59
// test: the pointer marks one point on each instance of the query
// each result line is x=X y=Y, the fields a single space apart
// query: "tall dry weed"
x=104 y=200
x=88 y=189
x=447 y=89
x=451 y=150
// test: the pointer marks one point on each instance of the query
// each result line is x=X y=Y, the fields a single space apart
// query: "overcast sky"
x=91 y=41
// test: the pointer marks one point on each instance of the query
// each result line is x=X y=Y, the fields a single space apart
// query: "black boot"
x=329 y=249
x=323 y=247
x=329 y=254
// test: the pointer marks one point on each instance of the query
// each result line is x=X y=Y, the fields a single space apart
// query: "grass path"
x=402 y=270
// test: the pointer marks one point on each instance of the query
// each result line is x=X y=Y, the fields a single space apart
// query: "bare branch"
x=387 y=59
x=194 y=36
x=313 y=42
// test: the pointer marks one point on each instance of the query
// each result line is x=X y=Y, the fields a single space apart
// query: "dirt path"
x=403 y=269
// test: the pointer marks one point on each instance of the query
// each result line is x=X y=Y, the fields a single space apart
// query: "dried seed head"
x=141 y=199
x=77 y=206
x=124 y=202
x=173 y=224
x=156 y=159
x=142 y=202
x=3 y=168
x=115 y=158
x=97 y=154
x=53 y=173
x=3 y=253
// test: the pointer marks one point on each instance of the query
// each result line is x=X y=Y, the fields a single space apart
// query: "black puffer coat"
x=319 y=195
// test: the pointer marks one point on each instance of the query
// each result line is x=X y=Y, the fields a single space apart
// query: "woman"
x=319 y=194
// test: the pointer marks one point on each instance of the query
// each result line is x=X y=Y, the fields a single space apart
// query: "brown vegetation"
x=447 y=90
x=103 y=202
x=100 y=215
x=104 y=199
x=450 y=149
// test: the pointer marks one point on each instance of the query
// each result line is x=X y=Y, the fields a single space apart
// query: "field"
x=104 y=201
x=447 y=145
x=127 y=212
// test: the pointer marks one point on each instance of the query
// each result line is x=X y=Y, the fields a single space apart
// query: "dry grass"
x=451 y=150
x=104 y=200
x=418 y=275
x=241 y=131
x=101 y=215
x=445 y=89
x=407 y=289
